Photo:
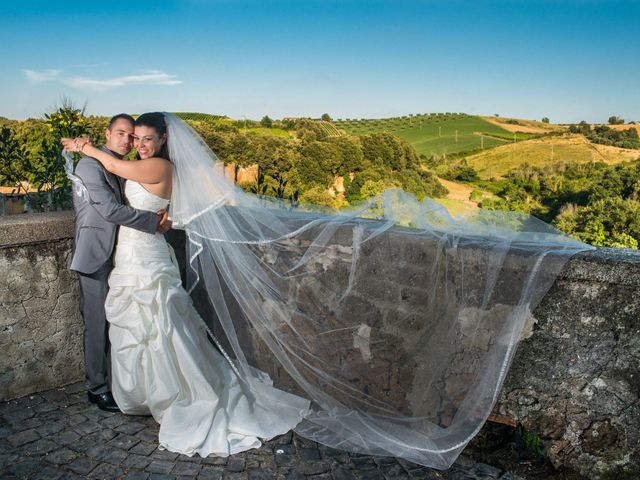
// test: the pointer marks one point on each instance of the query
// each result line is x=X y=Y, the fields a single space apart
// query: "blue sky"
x=568 y=60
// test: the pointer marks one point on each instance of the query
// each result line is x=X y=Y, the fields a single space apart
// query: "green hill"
x=203 y=117
x=497 y=162
x=430 y=134
x=435 y=134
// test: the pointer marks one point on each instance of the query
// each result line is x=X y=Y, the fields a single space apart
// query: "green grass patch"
x=435 y=134
x=278 y=132
x=511 y=137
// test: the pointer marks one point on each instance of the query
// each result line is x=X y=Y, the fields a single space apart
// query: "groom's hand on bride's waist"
x=164 y=224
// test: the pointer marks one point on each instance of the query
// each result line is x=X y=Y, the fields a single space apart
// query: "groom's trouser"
x=93 y=293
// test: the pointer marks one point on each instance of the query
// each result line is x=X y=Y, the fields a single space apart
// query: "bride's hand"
x=74 y=144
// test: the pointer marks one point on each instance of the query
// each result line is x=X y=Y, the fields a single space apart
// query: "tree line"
x=608 y=136
x=303 y=163
x=297 y=159
x=594 y=202
x=310 y=160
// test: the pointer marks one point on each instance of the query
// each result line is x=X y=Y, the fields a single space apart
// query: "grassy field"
x=269 y=131
x=251 y=127
x=434 y=134
x=496 y=162
x=515 y=136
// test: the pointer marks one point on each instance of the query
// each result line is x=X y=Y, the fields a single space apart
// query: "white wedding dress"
x=163 y=363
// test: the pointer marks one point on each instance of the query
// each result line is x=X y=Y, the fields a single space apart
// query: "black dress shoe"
x=104 y=401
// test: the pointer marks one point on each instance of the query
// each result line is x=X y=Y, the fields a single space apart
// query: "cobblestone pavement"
x=58 y=435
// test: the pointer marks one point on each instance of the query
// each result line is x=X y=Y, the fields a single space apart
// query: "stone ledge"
x=592 y=265
x=35 y=228
x=618 y=266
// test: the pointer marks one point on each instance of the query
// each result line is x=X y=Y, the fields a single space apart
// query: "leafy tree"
x=216 y=139
x=49 y=177
x=372 y=188
x=325 y=117
x=389 y=150
x=545 y=119
x=309 y=130
x=266 y=122
x=240 y=151
x=318 y=196
x=461 y=172
x=614 y=120
x=321 y=163
x=583 y=128
x=280 y=190
x=612 y=222
x=595 y=202
x=476 y=195
x=260 y=187
x=349 y=151
x=95 y=129
x=609 y=136
x=14 y=161
x=32 y=133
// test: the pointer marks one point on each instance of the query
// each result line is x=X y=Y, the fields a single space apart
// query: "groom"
x=97 y=221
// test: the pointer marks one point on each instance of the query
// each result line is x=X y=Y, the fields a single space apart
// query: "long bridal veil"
x=396 y=320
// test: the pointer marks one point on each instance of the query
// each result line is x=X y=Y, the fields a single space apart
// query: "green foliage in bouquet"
x=67 y=121
x=48 y=176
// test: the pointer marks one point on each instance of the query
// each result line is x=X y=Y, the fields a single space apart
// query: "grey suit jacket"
x=97 y=220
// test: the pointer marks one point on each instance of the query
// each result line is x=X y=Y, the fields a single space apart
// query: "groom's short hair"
x=121 y=116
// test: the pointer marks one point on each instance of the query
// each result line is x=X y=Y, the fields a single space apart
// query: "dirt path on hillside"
x=516 y=128
x=459 y=192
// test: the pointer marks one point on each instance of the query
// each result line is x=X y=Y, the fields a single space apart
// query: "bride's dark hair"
x=156 y=121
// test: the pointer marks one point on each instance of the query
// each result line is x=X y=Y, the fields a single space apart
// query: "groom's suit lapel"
x=116 y=182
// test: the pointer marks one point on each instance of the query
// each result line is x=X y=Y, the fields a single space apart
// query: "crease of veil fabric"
x=395 y=319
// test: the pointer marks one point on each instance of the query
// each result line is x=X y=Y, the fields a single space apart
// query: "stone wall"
x=574 y=380
x=40 y=325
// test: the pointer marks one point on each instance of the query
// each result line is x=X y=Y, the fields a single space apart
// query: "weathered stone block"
x=40 y=324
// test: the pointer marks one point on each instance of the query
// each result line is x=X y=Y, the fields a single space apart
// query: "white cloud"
x=153 y=77
x=35 y=76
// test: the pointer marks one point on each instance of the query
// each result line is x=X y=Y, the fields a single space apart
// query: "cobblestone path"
x=58 y=435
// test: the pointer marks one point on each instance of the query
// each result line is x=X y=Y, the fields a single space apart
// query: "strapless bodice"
x=138 y=197
x=142 y=199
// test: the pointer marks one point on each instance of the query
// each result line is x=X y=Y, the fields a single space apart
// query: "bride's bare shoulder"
x=159 y=161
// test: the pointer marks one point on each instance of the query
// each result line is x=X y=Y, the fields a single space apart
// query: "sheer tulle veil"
x=409 y=367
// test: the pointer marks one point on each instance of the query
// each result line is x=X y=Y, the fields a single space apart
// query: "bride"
x=397 y=321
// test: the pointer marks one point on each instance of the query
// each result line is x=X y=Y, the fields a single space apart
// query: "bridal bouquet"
x=67 y=122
